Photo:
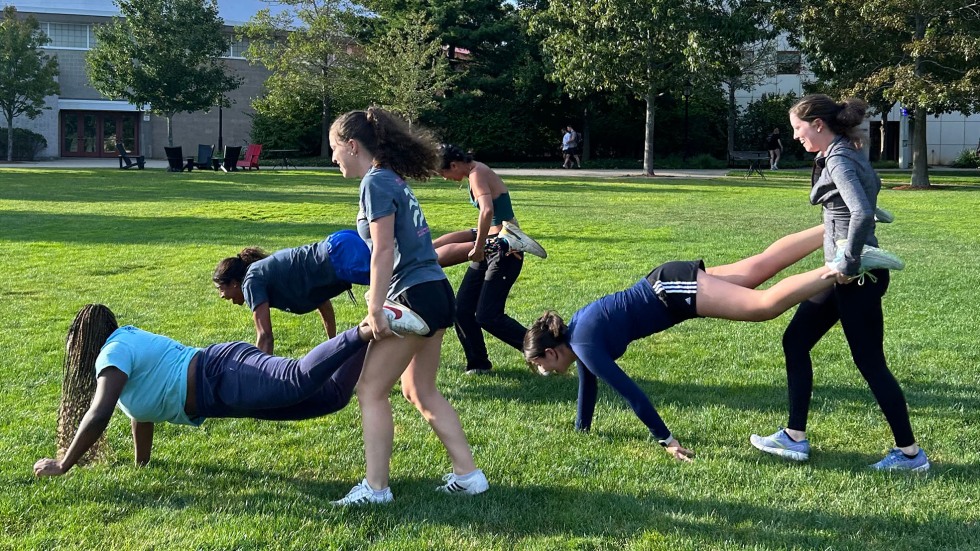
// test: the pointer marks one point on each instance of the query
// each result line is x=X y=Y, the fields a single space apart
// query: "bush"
x=968 y=158
x=760 y=117
x=27 y=144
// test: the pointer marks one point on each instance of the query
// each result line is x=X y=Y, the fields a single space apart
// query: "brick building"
x=80 y=122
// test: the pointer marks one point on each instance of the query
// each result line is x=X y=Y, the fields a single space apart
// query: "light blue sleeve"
x=115 y=354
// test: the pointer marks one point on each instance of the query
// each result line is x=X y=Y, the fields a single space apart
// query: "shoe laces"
x=869 y=275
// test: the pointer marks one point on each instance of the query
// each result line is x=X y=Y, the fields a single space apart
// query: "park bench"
x=753 y=158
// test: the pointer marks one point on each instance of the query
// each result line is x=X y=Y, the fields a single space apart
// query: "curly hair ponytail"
x=233 y=268
x=409 y=152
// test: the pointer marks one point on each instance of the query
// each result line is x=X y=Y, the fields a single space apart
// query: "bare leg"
x=419 y=388
x=454 y=248
x=718 y=298
x=757 y=269
x=385 y=361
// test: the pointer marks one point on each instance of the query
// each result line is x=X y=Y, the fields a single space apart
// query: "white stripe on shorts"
x=676 y=287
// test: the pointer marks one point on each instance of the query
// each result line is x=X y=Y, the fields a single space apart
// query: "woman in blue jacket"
x=599 y=333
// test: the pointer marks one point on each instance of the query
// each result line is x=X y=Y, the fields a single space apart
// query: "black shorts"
x=433 y=301
x=676 y=284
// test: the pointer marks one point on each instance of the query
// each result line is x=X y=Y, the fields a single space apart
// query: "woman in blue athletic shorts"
x=155 y=379
x=482 y=295
x=297 y=280
x=598 y=334
x=846 y=186
x=382 y=151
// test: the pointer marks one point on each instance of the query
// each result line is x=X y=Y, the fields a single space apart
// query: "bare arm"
x=142 y=441
x=382 y=266
x=482 y=192
x=264 y=340
x=328 y=317
x=108 y=388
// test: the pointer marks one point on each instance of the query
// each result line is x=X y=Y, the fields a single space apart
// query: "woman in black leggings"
x=847 y=187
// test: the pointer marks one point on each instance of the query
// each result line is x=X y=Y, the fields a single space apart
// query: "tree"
x=312 y=51
x=420 y=71
x=921 y=53
x=27 y=75
x=622 y=45
x=163 y=55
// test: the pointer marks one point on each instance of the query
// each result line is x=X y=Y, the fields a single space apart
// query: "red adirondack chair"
x=251 y=159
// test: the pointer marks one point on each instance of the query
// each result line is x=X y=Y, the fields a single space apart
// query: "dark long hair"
x=548 y=331
x=410 y=152
x=233 y=268
x=89 y=331
x=453 y=154
x=842 y=118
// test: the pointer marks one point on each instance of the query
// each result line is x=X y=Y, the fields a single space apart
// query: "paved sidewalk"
x=538 y=172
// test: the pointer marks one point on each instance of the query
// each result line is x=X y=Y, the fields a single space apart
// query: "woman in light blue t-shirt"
x=154 y=379
x=382 y=151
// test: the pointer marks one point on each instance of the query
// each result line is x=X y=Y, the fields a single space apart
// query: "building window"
x=788 y=63
x=237 y=48
x=69 y=36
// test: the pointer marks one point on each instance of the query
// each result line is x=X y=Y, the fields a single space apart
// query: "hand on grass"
x=679 y=452
x=48 y=467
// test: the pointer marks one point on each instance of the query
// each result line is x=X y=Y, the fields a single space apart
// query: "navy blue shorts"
x=676 y=284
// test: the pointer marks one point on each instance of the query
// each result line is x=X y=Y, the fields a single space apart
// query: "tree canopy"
x=922 y=53
x=163 y=55
x=27 y=75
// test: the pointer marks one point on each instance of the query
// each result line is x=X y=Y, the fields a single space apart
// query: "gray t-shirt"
x=295 y=280
x=384 y=193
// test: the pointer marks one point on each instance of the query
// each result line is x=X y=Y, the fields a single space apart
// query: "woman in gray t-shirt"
x=382 y=151
x=297 y=280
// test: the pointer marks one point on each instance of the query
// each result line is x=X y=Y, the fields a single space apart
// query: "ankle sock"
x=468 y=476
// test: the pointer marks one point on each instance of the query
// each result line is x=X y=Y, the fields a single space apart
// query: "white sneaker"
x=475 y=483
x=872 y=258
x=364 y=494
x=520 y=241
x=402 y=319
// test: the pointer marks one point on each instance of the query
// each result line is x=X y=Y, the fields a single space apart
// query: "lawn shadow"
x=526 y=387
x=512 y=512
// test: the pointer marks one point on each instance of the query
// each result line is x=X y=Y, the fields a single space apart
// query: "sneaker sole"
x=781 y=452
x=527 y=241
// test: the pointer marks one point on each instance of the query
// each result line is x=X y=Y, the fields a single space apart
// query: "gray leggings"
x=236 y=379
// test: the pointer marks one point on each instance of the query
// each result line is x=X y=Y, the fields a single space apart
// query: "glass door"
x=96 y=133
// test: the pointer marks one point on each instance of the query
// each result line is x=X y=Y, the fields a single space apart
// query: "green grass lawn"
x=145 y=244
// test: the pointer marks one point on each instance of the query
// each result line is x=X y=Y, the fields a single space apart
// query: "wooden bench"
x=753 y=158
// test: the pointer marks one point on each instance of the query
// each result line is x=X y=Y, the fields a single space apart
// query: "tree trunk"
x=170 y=129
x=89 y=331
x=885 y=133
x=651 y=100
x=920 y=150
x=10 y=139
x=325 y=123
x=732 y=112
x=586 y=140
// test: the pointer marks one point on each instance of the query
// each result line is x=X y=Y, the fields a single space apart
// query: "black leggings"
x=858 y=308
x=480 y=304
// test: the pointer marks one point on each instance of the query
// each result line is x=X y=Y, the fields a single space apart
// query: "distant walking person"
x=569 y=148
x=775 y=147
